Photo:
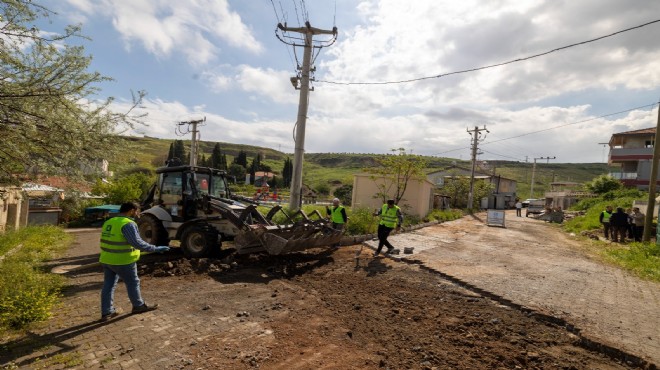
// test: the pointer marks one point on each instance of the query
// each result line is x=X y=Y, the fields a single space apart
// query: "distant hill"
x=335 y=169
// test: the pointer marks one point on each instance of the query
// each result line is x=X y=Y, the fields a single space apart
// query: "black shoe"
x=109 y=316
x=389 y=251
x=144 y=308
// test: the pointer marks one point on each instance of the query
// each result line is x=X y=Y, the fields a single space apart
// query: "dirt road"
x=532 y=264
x=326 y=310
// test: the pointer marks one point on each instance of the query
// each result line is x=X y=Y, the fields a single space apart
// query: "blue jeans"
x=111 y=275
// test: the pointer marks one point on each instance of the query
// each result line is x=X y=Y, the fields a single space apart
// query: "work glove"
x=161 y=249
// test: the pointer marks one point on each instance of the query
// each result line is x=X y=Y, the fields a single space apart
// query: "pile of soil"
x=329 y=309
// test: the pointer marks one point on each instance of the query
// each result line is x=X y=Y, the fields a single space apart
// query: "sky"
x=400 y=74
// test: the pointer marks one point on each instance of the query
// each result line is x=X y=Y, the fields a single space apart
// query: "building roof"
x=644 y=131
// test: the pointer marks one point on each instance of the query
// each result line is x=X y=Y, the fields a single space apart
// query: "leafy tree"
x=218 y=158
x=203 y=161
x=126 y=189
x=237 y=171
x=345 y=194
x=398 y=170
x=49 y=119
x=322 y=188
x=179 y=151
x=603 y=184
x=458 y=188
x=241 y=159
x=287 y=172
x=254 y=167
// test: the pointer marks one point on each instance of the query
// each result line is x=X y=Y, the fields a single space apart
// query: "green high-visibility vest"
x=115 y=249
x=388 y=216
x=606 y=216
x=336 y=216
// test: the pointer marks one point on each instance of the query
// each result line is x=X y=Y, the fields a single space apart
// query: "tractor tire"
x=199 y=241
x=152 y=231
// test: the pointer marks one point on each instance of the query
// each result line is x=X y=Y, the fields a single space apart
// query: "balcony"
x=630 y=154
x=624 y=175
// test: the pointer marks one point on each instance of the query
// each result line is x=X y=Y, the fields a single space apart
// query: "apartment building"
x=633 y=152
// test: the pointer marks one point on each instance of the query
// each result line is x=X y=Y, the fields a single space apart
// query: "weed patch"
x=639 y=258
x=27 y=294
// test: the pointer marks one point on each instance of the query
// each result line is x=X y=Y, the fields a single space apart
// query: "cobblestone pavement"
x=534 y=264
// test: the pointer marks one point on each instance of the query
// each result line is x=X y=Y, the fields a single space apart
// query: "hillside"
x=336 y=169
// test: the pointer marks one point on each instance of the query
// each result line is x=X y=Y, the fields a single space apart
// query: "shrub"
x=361 y=221
x=444 y=215
x=27 y=294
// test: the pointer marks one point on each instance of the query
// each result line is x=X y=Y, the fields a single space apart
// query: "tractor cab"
x=179 y=189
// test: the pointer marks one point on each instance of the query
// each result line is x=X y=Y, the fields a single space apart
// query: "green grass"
x=642 y=259
x=27 y=294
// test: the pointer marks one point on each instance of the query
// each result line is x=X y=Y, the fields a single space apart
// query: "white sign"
x=495 y=217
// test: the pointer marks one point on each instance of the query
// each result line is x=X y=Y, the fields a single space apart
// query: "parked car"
x=535 y=206
x=525 y=203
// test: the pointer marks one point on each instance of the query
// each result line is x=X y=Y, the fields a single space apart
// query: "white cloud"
x=391 y=40
x=165 y=27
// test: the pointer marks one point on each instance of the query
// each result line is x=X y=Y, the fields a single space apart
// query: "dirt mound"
x=331 y=312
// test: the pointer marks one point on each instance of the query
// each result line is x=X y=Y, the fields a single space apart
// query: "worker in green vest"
x=120 y=250
x=605 y=220
x=390 y=218
x=337 y=215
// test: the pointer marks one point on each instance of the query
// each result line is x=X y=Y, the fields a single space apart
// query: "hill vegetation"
x=332 y=170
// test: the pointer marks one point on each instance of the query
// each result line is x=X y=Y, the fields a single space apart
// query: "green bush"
x=594 y=206
x=27 y=294
x=444 y=215
x=361 y=221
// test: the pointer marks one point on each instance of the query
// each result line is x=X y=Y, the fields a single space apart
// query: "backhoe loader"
x=194 y=205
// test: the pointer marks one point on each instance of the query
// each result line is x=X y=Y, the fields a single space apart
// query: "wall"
x=13 y=208
x=417 y=200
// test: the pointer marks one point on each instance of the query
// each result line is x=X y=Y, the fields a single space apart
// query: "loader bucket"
x=278 y=240
x=276 y=245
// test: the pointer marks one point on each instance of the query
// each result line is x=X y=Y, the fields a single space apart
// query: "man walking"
x=605 y=221
x=120 y=250
x=390 y=218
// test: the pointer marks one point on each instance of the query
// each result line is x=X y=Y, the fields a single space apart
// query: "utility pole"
x=193 y=143
x=302 y=83
x=604 y=145
x=531 y=188
x=648 y=221
x=476 y=138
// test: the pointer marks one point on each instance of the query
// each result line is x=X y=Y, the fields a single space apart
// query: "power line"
x=572 y=123
x=492 y=65
x=553 y=128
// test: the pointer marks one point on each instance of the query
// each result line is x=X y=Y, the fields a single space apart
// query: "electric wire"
x=572 y=123
x=276 y=29
x=647 y=106
x=295 y=6
x=492 y=65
